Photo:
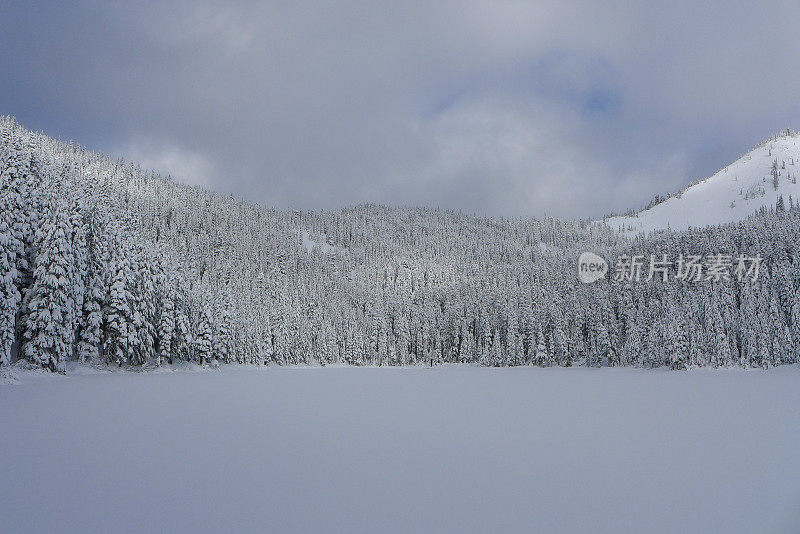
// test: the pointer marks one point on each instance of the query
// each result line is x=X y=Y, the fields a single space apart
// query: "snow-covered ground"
x=310 y=244
x=732 y=194
x=449 y=449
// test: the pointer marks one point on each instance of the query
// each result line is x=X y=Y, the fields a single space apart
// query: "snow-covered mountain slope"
x=732 y=194
x=136 y=270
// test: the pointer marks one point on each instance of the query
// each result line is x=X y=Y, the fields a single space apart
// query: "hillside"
x=107 y=263
x=756 y=180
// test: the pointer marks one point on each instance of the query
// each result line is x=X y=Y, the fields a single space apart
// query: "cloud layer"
x=519 y=108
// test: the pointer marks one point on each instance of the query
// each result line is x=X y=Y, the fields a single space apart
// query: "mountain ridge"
x=736 y=191
x=104 y=262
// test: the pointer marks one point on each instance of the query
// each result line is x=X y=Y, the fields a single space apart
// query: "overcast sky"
x=567 y=108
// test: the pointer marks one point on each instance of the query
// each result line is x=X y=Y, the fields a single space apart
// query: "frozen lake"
x=449 y=449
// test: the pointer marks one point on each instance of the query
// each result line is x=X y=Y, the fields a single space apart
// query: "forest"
x=106 y=263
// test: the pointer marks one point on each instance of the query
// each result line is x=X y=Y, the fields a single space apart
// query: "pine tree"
x=515 y=346
x=92 y=319
x=142 y=331
x=203 y=338
x=20 y=189
x=183 y=342
x=720 y=345
x=603 y=345
x=775 y=174
x=560 y=345
x=49 y=333
x=402 y=339
x=267 y=349
x=9 y=295
x=166 y=329
x=677 y=344
x=222 y=341
x=383 y=341
x=80 y=261
x=117 y=314
x=280 y=339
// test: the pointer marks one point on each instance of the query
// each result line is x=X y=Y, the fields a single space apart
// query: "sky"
x=566 y=108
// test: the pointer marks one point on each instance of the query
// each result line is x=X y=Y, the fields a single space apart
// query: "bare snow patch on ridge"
x=310 y=244
x=730 y=195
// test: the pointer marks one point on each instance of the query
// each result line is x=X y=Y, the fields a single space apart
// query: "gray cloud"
x=520 y=108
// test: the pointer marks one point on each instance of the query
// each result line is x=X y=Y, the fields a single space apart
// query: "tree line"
x=107 y=263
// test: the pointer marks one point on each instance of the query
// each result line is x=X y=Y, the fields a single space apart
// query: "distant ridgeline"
x=107 y=263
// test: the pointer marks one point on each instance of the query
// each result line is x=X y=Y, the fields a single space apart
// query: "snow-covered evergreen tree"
x=166 y=330
x=9 y=294
x=89 y=328
x=118 y=334
x=49 y=331
x=204 y=339
x=224 y=335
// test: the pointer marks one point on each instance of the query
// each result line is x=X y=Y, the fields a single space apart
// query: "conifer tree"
x=204 y=339
x=542 y=354
x=92 y=319
x=222 y=341
x=9 y=295
x=118 y=333
x=166 y=330
x=49 y=332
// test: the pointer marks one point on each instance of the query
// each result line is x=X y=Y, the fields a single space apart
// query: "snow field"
x=448 y=449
